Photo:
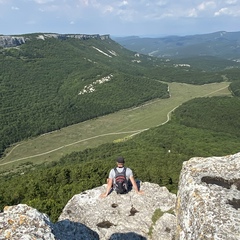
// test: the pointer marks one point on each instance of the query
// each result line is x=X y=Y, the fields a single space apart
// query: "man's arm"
x=109 y=187
x=134 y=184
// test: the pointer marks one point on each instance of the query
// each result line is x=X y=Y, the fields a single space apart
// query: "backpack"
x=121 y=183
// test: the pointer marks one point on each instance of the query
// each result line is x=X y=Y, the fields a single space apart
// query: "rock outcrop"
x=208 y=200
x=22 y=222
x=11 y=41
x=87 y=216
x=126 y=216
x=14 y=41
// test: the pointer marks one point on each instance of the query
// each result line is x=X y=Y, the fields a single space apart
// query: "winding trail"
x=101 y=135
x=86 y=139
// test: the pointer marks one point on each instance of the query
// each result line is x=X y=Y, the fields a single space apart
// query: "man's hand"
x=141 y=192
x=109 y=187
x=103 y=195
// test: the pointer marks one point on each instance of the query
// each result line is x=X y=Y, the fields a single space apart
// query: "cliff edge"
x=14 y=41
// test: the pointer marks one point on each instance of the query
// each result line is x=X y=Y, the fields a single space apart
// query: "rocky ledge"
x=128 y=216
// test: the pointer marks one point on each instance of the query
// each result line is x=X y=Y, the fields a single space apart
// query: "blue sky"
x=119 y=17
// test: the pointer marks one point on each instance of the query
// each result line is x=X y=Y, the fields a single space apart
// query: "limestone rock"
x=11 y=41
x=23 y=222
x=87 y=216
x=127 y=216
x=165 y=227
x=208 y=199
x=14 y=41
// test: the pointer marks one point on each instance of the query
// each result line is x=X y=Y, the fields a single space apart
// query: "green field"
x=113 y=127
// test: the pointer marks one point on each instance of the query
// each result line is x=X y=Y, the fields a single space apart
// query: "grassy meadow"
x=114 y=127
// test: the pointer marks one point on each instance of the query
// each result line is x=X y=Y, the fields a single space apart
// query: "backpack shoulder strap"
x=124 y=171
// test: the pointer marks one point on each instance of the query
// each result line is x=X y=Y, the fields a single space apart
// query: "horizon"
x=118 y=36
x=119 y=18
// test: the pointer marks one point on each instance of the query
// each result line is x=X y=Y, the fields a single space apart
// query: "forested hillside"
x=49 y=84
x=215 y=109
x=201 y=127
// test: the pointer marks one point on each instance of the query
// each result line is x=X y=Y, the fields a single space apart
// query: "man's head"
x=120 y=161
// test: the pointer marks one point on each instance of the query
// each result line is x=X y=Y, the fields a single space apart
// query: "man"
x=112 y=175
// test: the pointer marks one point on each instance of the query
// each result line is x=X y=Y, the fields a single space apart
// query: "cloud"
x=123 y=3
x=108 y=9
x=230 y=2
x=228 y=12
x=85 y=2
x=206 y=5
x=192 y=13
x=121 y=16
x=43 y=1
x=14 y=8
x=135 y=11
x=161 y=3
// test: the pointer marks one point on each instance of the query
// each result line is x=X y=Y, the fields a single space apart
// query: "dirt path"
x=86 y=139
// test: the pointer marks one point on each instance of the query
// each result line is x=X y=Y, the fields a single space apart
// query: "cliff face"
x=14 y=41
x=206 y=207
x=11 y=41
x=208 y=199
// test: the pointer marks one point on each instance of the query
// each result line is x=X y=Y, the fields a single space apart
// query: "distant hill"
x=222 y=45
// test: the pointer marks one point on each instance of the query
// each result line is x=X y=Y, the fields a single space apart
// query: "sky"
x=119 y=17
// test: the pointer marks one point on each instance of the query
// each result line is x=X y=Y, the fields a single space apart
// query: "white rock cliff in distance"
x=206 y=207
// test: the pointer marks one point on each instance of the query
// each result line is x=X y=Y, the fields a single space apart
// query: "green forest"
x=40 y=83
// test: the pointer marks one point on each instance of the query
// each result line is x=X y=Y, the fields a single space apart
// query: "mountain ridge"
x=17 y=40
x=220 y=44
